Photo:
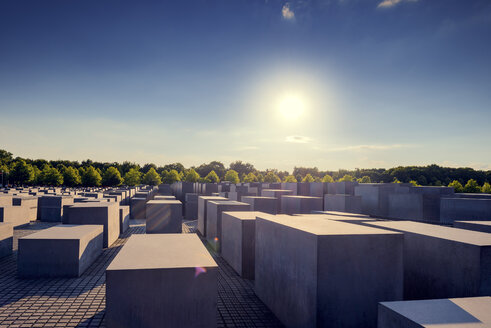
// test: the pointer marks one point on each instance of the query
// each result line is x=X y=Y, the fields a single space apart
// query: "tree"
x=365 y=179
x=396 y=181
x=152 y=177
x=174 y=166
x=170 y=177
x=260 y=177
x=21 y=173
x=112 y=177
x=457 y=186
x=217 y=167
x=472 y=187
x=91 y=177
x=212 y=177
x=271 y=177
x=192 y=176
x=50 y=176
x=290 y=178
x=308 y=178
x=242 y=168
x=327 y=178
x=251 y=177
x=414 y=183
x=71 y=177
x=486 y=188
x=232 y=176
x=132 y=177
x=346 y=177
x=148 y=166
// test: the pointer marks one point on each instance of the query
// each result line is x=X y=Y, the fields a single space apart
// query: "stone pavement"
x=80 y=302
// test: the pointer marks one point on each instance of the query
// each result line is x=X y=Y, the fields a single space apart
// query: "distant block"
x=443 y=262
x=302 y=273
x=164 y=216
x=300 y=204
x=342 y=203
x=51 y=207
x=441 y=313
x=202 y=211
x=105 y=214
x=6 y=239
x=124 y=218
x=482 y=226
x=59 y=251
x=191 y=206
x=465 y=209
x=168 y=197
x=262 y=204
x=214 y=219
x=173 y=285
x=137 y=208
x=276 y=193
x=318 y=189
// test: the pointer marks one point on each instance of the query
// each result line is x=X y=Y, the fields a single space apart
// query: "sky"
x=326 y=83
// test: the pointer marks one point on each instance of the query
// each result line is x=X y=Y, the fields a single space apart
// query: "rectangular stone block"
x=465 y=209
x=214 y=219
x=375 y=197
x=342 y=203
x=15 y=215
x=300 y=204
x=124 y=218
x=6 y=239
x=166 y=197
x=302 y=273
x=318 y=189
x=50 y=208
x=164 y=216
x=105 y=214
x=173 y=285
x=482 y=226
x=137 y=208
x=202 y=211
x=29 y=202
x=290 y=186
x=443 y=262
x=262 y=204
x=191 y=207
x=441 y=313
x=59 y=251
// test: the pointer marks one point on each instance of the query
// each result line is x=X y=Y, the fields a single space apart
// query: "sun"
x=291 y=107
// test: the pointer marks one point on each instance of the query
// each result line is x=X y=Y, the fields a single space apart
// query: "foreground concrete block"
x=214 y=219
x=482 y=226
x=124 y=218
x=202 y=211
x=50 y=208
x=443 y=262
x=164 y=216
x=173 y=285
x=6 y=239
x=29 y=202
x=262 y=204
x=238 y=241
x=105 y=214
x=441 y=313
x=300 y=204
x=137 y=208
x=59 y=251
x=302 y=271
x=342 y=203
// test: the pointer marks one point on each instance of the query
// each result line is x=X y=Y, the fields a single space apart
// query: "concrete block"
x=302 y=273
x=342 y=203
x=262 y=204
x=191 y=206
x=482 y=226
x=443 y=262
x=173 y=285
x=202 y=211
x=50 y=208
x=290 y=186
x=375 y=197
x=137 y=208
x=105 y=214
x=465 y=209
x=124 y=218
x=167 y=197
x=6 y=239
x=59 y=251
x=318 y=189
x=164 y=216
x=441 y=313
x=300 y=204
x=31 y=203
x=214 y=212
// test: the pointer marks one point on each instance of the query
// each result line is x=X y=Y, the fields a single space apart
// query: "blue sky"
x=376 y=83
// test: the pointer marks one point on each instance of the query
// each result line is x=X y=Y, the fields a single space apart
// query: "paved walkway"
x=80 y=302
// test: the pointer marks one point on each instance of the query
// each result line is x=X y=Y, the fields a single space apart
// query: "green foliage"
x=112 y=177
x=250 y=177
x=242 y=168
x=472 y=187
x=232 y=176
x=192 y=176
x=308 y=178
x=91 y=177
x=486 y=188
x=212 y=177
x=152 y=178
x=71 y=177
x=347 y=177
x=37 y=176
x=327 y=178
x=170 y=177
x=148 y=166
x=21 y=173
x=414 y=183
x=50 y=176
x=457 y=186
x=364 y=179
x=290 y=178
x=132 y=177
x=174 y=166
x=271 y=177
x=396 y=181
x=260 y=177
x=217 y=167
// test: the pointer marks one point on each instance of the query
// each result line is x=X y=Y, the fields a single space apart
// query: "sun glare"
x=291 y=107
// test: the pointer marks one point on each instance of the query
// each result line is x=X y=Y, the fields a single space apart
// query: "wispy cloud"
x=286 y=12
x=392 y=3
x=298 y=139
x=368 y=147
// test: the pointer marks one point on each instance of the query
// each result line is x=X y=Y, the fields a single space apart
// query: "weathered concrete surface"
x=202 y=211
x=173 y=285
x=262 y=204
x=321 y=273
x=164 y=216
x=191 y=206
x=300 y=204
x=375 y=197
x=137 y=208
x=482 y=226
x=443 y=262
x=342 y=203
x=50 y=208
x=6 y=239
x=465 y=209
x=441 y=313
x=30 y=202
x=60 y=251
x=124 y=218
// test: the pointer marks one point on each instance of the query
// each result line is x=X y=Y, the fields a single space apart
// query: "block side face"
x=6 y=239
x=485 y=271
x=164 y=218
x=248 y=248
x=232 y=242
x=286 y=272
x=161 y=298
x=355 y=272
x=89 y=251
x=388 y=318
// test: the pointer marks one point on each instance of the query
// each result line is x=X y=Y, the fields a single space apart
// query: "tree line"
x=24 y=171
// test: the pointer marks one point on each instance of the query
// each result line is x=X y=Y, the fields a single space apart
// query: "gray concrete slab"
x=482 y=226
x=262 y=204
x=6 y=239
x=164 y=216
x=202 y=211
x=300 y=204
x=124 y=218
x=137 y=208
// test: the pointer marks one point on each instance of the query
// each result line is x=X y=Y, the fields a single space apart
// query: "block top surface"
x=319 y=226
x=164 y=202
x=485 y=223
x=459 y=235
x=278 y=190
x=259 y=197
x=67 y=231
x=246 y=215
x=299 y=197
x=162 y=251
x=92 y=204
x=342 y=214
x=446 y=313
x=228 y=202
x=212 y=198
x=339 y=217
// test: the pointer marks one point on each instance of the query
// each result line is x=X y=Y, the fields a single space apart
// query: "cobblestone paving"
x=80 y=302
